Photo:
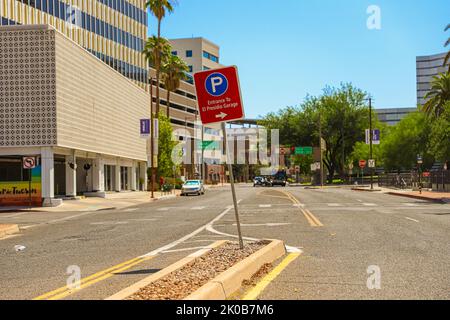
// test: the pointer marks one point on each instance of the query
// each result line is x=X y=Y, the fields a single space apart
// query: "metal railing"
x=404 y=180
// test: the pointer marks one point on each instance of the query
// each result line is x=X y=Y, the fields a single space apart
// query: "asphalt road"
x=345 y=233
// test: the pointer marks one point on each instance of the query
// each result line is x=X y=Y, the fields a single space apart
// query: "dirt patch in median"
x=183 y=282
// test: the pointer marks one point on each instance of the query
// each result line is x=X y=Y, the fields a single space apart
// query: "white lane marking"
x=187 y=237
x=359 y=200
x=131 y=210
x=265 y=206
x=369 y=204
x=301 y=205
x=109 y=223
x=68 y=218
x=14 y=215
x=334 y=204
x=163 y=209
x=264 y=224
x=411 y=219
x=411 y=204
x=198 y=208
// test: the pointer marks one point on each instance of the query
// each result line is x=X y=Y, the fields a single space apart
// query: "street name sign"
x=29 y=162
x=303 y=150
x=219 y=95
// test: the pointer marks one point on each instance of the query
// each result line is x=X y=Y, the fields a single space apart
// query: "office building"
x=428 y=67
x=199 y=54
x=392 y=116
x=112 y=30
x=76 y=115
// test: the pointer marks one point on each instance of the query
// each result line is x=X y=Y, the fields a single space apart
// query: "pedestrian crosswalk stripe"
x=369 y=204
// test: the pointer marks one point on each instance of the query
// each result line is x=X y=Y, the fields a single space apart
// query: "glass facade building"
x=113 y=30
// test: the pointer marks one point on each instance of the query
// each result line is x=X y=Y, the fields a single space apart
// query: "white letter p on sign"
x=215 y=82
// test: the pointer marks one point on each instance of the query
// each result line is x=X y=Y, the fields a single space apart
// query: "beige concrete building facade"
x=76 y=114
x=199 y=53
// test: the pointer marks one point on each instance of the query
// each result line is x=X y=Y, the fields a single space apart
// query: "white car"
x=193 y=187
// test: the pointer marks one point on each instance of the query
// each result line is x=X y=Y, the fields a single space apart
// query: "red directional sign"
x=219 y=95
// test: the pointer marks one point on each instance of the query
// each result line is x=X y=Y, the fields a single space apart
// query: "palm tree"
x=159 y=9
x=157 y=51
x=174 y=70
x=447 y=57
x=438 y=95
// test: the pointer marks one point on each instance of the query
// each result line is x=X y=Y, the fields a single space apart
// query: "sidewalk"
x=113 y=201
x=442 y=197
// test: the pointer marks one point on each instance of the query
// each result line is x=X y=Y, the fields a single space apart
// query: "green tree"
x=157 y=45
x=438 y=96
x=159 y=8
x=343 y=115
x=440 y=136
x=409 y=138
x=157 y=50
x=166 y=146
x=361 y=150
x=174 y=70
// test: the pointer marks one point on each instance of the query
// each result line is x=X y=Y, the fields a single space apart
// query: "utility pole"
x=321 y=151
x=371 y=141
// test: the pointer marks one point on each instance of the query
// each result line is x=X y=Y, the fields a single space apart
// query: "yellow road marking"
x=253 y=293
x=314 y=218
x=313 y=221
x=92 y=279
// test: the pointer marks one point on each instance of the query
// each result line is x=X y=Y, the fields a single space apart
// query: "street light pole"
x=321 y=151
x=371 y=141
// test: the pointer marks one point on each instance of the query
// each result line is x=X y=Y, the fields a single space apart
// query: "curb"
x=230 y=281
x=129 y=291
x=8 y=229
x=419 y=197
x=366 y=190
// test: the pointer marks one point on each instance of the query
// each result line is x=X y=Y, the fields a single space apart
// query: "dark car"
x=280 y=179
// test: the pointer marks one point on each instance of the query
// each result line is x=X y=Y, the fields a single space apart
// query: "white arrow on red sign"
x=221 y=115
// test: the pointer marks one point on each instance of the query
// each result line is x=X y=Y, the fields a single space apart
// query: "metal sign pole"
x=29 y=188
x=233 y=190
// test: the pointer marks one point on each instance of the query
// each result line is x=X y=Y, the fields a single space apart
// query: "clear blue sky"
x=287 y=49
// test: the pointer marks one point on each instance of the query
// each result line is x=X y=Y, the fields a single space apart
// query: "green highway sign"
x=208 y=145
x=303 y=150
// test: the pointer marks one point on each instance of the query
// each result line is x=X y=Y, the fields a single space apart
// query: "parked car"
x=261 y=182
x=193 y=187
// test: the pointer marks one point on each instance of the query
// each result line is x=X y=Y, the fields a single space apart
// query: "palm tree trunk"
x=158 y=69
x=168 y=103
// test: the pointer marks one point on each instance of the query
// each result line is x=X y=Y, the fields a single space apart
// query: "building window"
x=210 y=56
x=191 y=68
x=175 y=53
x=188 y=53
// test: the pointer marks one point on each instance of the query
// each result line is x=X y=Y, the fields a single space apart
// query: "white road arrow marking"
x=221 y=115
